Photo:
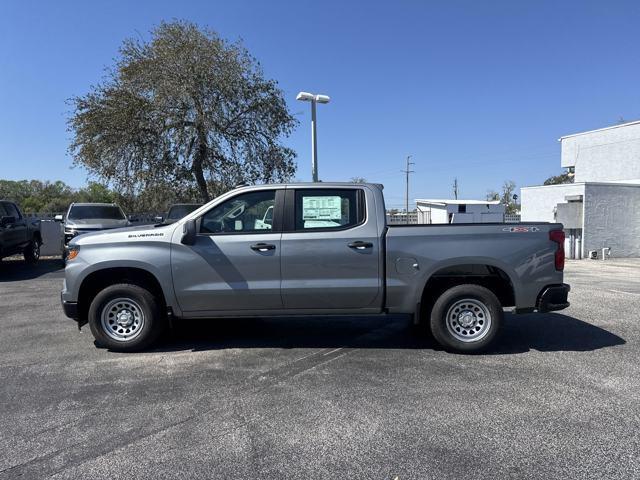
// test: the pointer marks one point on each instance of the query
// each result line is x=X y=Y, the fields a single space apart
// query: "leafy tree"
x=358 y=180
x=559 y=179
x=185 y=110
x=35 y=196
x=507 y=197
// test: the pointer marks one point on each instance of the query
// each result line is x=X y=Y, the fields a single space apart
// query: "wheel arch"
x=99 y=279
x=486 y=272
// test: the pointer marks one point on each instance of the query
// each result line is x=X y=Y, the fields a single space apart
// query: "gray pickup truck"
x=311 y=249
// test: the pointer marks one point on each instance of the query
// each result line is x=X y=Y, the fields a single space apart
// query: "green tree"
x=35 y=196
x=186 y=109
x=559 y=179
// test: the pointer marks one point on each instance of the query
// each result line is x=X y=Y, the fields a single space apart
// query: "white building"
x=459 y=211
x=602 y=208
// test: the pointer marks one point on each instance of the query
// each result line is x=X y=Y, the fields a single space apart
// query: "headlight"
x=70 y=231
x=72 y=252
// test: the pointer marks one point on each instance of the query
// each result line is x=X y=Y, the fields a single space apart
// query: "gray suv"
x=89 y=217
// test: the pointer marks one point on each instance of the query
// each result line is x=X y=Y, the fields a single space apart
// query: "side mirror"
x=131 y=218
x=7 y=220
x=189 y=233
x=159 y=219
x=58 y=218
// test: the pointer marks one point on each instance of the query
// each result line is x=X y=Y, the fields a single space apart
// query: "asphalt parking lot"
x=559 y=397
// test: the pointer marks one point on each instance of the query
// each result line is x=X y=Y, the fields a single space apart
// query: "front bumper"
x=70 y=308
x=553 y=297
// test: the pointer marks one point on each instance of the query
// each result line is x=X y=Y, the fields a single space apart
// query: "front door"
x=331 y=250
x=234 y=264
x=15 y=234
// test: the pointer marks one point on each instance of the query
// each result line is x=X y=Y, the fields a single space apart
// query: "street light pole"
x=314 y=143
x=314 y=99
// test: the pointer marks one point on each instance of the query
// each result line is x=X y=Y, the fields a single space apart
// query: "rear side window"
x=328 y=209
x=12 y=211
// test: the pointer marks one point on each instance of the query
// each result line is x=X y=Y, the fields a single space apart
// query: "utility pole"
x=455 y=188
x=406 y=197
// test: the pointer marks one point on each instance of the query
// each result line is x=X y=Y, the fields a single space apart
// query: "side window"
x=328 y=208
x=247 y=212
x=3 y=211
x=12 y=211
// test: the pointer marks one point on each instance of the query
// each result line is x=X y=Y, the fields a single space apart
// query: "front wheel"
x=125 y=318
x=32 y=251
x=466 y=318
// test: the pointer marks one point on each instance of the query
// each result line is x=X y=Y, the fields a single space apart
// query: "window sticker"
x=322 y=208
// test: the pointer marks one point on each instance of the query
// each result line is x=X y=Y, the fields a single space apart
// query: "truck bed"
x=519 y=252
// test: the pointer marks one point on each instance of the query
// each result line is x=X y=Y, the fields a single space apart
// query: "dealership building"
x=601 y=209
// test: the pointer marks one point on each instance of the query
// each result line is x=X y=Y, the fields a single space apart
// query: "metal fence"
x=422 y=218
x=401 y=218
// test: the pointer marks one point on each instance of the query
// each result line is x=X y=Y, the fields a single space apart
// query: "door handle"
x=360 y=245
x=263 y=247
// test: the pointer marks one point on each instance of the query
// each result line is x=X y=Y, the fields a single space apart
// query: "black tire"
x=32 y=251
x=119 y=299
x=475 y=317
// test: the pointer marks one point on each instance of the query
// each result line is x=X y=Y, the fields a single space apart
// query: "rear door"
x=235 y=262
x=330 y=250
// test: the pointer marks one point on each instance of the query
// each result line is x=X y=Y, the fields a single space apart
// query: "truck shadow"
x=17 y=270
x=520 y=334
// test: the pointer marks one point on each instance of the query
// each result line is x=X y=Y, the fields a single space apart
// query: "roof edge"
x=635 y=122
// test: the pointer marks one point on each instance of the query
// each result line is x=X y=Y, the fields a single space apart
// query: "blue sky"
x=476 y=90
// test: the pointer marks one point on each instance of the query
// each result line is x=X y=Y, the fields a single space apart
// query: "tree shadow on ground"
x=543 y=332
x=16 y=270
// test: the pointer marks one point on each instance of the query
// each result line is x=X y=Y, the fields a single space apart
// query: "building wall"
x=612 y=219
x=611 y=154
x=475 y=213
x=538 y=203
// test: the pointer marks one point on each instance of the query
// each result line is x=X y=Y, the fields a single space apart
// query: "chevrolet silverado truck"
x=311 y=249
x=18 y=234
x=89 y=217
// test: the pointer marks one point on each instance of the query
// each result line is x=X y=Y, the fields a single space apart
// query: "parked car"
x=83 y=218
x=18 y=234
x=178 y=211
x=326 y=251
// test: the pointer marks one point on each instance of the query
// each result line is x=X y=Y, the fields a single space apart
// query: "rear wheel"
x=466 y=318
x=125 y=318
x=32 y=251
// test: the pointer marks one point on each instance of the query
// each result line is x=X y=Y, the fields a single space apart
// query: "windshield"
x=178 y=211
x=82 y=212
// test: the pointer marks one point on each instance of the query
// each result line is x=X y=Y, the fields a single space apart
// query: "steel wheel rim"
x=468 y=320
x=122 y=319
